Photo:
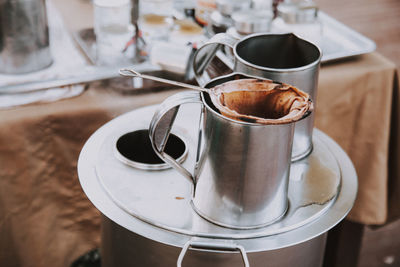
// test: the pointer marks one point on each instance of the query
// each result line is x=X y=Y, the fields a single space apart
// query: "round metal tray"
x=156 y=204
x=163 y=198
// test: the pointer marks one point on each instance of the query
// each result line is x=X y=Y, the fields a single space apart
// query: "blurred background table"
x=46 y=220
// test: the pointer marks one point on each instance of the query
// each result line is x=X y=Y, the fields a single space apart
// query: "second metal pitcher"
x=279 y=57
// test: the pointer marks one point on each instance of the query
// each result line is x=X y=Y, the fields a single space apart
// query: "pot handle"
x=213 y=246
x=161 y=124
x=205 y=54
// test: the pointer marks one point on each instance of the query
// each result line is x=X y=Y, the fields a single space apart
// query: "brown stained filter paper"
x=261 y=101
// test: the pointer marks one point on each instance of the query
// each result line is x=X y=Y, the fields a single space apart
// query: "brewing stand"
x=148 y=218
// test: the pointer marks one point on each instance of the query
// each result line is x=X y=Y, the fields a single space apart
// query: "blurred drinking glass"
x=155 y=19
x=301 y=18
x=114 y=32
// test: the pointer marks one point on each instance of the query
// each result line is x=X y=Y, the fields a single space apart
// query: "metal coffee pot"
x=24 y=36
x=279 y=57
x=241 y=175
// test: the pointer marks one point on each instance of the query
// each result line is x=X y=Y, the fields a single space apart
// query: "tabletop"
x=41 y=201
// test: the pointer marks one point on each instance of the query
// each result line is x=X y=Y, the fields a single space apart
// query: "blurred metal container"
x=300 y=18
x=24 y=36
x=252 y=21
x=227 y=7
x=221 y=18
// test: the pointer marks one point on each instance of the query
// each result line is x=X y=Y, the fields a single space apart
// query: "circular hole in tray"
x=135 y=149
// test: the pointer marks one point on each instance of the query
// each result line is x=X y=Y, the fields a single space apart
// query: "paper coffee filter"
x=261 y=101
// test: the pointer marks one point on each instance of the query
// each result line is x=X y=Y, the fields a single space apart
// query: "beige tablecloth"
x=357 y=105
x=46 y=220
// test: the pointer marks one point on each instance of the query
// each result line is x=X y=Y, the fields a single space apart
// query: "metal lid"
x=298 y=12
x=157 y=204
x=252 y=21
x=227 y=7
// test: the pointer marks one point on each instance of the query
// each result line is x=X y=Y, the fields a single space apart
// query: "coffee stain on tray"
x=179 y=198
x=318 y=185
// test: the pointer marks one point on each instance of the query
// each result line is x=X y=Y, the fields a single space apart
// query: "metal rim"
x=302 y=155
x=288 y=70
x=235 y=226
x=149 y=166
x=219 y=115
x=226 y=118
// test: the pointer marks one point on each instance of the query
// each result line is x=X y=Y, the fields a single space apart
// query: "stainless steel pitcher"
x=24 y=36
x=240 y=179
x=279 y=57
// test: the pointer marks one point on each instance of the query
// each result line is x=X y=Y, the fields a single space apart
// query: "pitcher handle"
x=207 y=52
x=161 y=124
x=213 y=246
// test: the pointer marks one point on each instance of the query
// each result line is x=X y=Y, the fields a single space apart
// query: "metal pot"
x=121 y=247
x=148 y=219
